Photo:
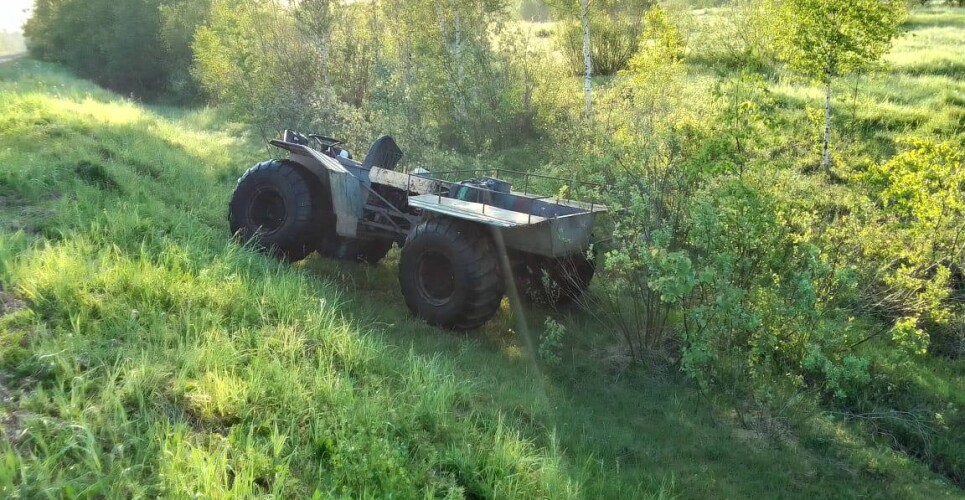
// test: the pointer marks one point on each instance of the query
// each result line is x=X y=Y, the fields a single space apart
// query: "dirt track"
x=11 y=57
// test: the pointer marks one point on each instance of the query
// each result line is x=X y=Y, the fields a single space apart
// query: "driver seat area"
x=384 y=153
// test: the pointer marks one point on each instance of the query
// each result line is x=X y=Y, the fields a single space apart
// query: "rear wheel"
x=554 y=281
x=276 y=207
x=449 y=274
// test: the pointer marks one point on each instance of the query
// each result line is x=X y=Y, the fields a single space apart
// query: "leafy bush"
x=711 y=269
x=465 y=85
x=251 y=59
x=920 y=282
x=613 y=41
x=758 y=316
x=743 y=36
x=551 y=342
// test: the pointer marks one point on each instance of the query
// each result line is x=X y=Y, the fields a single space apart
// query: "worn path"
x=11 y=57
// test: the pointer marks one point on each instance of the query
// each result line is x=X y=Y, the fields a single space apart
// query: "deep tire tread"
x=305 y=231
x=485 y=286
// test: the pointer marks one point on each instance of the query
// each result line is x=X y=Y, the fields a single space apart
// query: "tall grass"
x=158 y=358
x=143 y=354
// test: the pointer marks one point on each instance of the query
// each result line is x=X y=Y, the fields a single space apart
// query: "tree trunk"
x=461 y=111
x=454 y=63
x=826 y=152
x=587 y=57
x=324 y=62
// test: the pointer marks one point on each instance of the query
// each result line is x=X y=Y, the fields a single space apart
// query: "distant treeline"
x=134 y=46
x=464 y=79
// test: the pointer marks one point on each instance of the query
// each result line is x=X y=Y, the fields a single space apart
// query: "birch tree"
x=316 y=18
x=587 y=57
x=453 y=39
x=823 y=39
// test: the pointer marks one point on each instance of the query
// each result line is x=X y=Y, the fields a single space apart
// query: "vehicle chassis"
x=370 y=202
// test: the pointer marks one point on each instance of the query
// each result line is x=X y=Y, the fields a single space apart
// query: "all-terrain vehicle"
x=462 y=241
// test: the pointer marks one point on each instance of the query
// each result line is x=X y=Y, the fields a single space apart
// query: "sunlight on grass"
x=149 y=355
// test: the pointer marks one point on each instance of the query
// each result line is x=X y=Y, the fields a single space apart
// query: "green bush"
x=452 y=87
x=125 y=46
x=741 y=36
x=613 y=41
x=916 y=241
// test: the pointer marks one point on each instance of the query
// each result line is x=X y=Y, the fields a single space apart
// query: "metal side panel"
x=557 y=238
x=348 y=198
x=348 y=190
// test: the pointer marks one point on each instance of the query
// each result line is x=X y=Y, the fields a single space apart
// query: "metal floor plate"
x=478 y=212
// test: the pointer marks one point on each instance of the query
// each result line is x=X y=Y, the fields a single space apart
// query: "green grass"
x=155 y=357
x=142 y=353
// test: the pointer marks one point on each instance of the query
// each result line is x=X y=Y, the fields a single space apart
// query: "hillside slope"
x=142 y=353
x=157 y=357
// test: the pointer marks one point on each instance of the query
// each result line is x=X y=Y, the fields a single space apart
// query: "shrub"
x=743 y=36
x=916 y=240
x=117 y=44
x=464 y=86
x=613 y=41
x=551 y=342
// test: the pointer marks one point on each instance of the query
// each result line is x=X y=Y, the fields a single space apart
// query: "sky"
x=12 y=15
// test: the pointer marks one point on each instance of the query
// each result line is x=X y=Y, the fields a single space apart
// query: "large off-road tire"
x=554 y=282
x=449 y=273
x=277 y=206
x=572 y=274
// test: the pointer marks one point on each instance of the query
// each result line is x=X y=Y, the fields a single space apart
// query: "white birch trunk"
x=325 y=54
x=826 y=152
x=454 y=66
x=460 y=71
x=587 y=57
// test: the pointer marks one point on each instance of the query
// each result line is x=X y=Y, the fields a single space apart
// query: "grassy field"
x=142 y=353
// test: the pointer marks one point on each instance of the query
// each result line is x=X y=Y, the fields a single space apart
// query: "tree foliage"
x=126 y=46
x=823 y=39
x=615 y=28
x=919 y=235
x=460 y=80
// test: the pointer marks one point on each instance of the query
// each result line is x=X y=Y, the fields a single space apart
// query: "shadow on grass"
x=934 y=20
x=940 y=67
x=643 y=429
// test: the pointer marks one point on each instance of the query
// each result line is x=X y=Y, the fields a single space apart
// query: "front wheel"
x=276 y=207
x=449 y=274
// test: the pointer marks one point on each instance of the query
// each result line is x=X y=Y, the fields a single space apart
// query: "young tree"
x=655 y=71
x=823 y=39
x=316 y=22
x=587 y=56
x=567 y=9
